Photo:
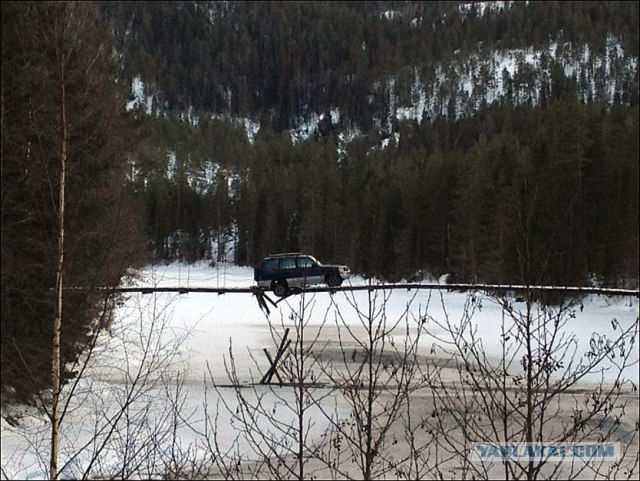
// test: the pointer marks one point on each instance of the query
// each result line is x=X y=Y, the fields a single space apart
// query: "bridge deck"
x=372 y=287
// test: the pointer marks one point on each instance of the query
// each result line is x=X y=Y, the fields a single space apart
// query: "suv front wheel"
x=333 y=280
x=280 y=288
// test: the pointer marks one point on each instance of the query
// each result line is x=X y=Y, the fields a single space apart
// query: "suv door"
x=309 y=270
x=289 y=269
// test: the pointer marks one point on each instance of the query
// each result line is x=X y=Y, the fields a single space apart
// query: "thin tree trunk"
x=369 y=429
x=301 y=397
x=57 y=321
x=530 y=389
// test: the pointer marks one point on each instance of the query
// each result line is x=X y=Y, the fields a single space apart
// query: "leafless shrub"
x=126 y=403
x=543 y=388
x=375 y=373
x=274 y=422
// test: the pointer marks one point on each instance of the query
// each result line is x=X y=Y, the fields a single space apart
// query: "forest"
x=539 y=186
x=479 y=198
x=536 y=187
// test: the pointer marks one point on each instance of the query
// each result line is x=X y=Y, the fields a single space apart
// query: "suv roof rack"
x=284 y=254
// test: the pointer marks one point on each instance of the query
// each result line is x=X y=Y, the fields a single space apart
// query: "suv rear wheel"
x=280 y=288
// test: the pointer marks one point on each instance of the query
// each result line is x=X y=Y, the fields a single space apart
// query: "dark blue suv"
x=280 y=272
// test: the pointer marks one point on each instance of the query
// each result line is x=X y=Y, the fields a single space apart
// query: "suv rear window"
x=270 y=265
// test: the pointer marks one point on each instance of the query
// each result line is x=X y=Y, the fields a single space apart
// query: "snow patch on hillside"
x=139 y=99
x=483 y=8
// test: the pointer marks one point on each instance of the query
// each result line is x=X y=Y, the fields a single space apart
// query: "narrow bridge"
x=487 y=288
x=263 y=298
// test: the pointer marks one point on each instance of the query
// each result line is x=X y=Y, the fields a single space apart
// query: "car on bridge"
x=283 y=272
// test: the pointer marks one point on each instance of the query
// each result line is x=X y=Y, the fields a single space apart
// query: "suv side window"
x=305 y=262
x=288 y=263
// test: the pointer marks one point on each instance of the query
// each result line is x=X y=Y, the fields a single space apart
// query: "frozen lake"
x=171 y=349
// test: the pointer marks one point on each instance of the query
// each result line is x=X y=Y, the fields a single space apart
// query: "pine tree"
x=50 y=49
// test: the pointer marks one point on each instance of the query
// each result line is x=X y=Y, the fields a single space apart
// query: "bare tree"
x=375 y=372
x=60 y=34
x=65 y=215
x=275 y=422
x=127 y=401
x=545 y=387
x=355 y=377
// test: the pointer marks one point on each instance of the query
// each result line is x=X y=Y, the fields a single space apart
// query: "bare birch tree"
x=127 y=401
x=61 y=31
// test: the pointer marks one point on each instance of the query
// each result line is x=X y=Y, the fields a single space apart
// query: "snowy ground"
x=187 y=338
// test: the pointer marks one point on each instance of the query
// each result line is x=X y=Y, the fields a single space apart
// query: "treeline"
x=515 y=194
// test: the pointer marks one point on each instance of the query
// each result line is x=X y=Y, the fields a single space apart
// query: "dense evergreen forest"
x=494 y=141
x=55 y=60
x=511 y=195
x=536 y=186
